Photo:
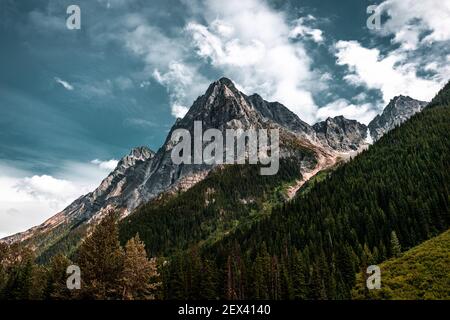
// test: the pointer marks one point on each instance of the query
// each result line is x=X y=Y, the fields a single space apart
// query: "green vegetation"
x=226 y=198
x=109 y=271
x=420 y=273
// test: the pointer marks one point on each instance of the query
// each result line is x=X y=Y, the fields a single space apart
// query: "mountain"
x=144 y=175
x=118 y=190
x=341 y=134
x=399 y=109
x=421 y=273
x=313 y=246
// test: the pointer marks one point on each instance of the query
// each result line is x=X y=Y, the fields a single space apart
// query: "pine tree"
x=57 y=277
x=139 y=274
x=395 y=245
x=300 y=290
x=101 y=261
x=208 y=281
x=20 y=279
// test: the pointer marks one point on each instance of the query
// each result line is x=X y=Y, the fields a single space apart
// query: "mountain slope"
x=144 y=175
x=420 y=273
x=313 y=246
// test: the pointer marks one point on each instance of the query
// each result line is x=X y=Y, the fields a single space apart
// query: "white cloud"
x=417 y=26
x=65 y=84
x=106 y=165
x=245 y=40
x=250 y=43
x=392 y=74
x=27 y=199
x=164 y=61
x=304 y=31
x=364 y=113
x=184 y=83
x=415 y=22
x=179 y=111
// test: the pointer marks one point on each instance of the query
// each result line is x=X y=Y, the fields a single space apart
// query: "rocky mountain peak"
x=141 y=153
x=399 y=109
x=221 y=104
x=341 y=134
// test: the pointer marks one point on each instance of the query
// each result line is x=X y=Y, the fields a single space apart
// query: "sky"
x=73 y=102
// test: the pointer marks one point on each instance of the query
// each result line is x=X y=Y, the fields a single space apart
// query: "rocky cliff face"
x=398 y=110
x=341 y=134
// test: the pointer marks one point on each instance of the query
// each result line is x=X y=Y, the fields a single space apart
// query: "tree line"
x=108 y=270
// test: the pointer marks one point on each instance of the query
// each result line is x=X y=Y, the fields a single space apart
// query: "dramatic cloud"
x=391 y=74
x=164 y=61
x=251 y=43
x=416 y=22
x=247 y=41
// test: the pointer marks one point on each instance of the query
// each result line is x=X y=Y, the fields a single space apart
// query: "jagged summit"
x=221 y=86
x=225 y=82
x=399 y=109
x=341 y=134
x=141 y=153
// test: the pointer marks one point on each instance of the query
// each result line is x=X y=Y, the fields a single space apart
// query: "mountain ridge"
x=143 y=174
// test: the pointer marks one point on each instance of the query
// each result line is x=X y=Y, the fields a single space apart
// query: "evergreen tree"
x=139 y=274
x=101 y=261
x=299 y=285
x=57 y=278
x=395 y=245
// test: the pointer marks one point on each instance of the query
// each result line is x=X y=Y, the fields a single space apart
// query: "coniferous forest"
x=233 y=235
x=387 y=200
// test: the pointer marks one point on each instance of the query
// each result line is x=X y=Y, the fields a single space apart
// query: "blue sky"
x=72 y=102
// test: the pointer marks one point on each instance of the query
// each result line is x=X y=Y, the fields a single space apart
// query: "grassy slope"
x=420 y=273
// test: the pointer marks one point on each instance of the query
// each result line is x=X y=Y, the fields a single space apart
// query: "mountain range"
x=143 y=175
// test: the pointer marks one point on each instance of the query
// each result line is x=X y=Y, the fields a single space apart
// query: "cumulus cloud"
x=417 y=27
x=27 y=199
x=164 y=59
x=255 y=45
x=65 y=84
x=391 y=74
x=302 y=30
x=251 y=43
x=416 y=22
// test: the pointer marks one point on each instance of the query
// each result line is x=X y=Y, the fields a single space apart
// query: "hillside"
x=420 y=273
x=227 y=197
